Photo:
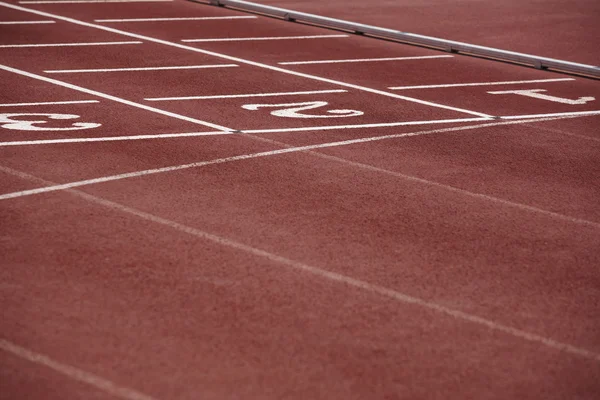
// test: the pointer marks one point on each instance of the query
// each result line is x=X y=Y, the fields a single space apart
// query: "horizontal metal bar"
x=412 y=38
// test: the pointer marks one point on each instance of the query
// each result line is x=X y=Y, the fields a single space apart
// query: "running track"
x=188 y=217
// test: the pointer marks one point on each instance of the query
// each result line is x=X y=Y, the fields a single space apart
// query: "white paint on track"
x=6 y=46
x=90 y=1
x=176 y=19
x=112 y=138
x=113 y=98
x=49 y=103
x=264 y=38
x=250 y=131
x=237 y=96
x=552 y=115
x=450 y=85
x=25 y=22
x=73 y=373
x=335 y=276
x=241 y=60
x=357 y=60
x=70 y=71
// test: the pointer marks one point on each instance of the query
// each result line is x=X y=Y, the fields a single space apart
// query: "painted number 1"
x=292 y=110
x=32 y=122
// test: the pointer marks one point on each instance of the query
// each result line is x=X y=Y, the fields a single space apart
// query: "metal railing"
x=411 y=38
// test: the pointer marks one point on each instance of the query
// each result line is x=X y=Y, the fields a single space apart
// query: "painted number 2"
x=292 y=110
x=32 y=121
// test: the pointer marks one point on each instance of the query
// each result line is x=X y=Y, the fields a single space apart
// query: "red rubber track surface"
x=421 y=243
x=562 y=29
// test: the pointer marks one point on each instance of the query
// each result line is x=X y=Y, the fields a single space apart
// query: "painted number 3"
x=33 y=122
x=292 y=110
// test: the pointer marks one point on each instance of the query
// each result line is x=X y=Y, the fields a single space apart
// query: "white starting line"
x=68 y=44
x=66 y=71
x=265 y=38
x=90 y=1
x=236 y=96
x=480 y=84
x=175 y=19
x=26 y=22
x=49 y=103
x=355 y=60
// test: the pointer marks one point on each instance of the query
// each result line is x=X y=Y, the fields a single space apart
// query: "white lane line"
x=112 y=138
x=176 y=19
x=111 y=178
x=335 y=276
x=90 y=1
x=25 y=22
x=194 y=134
x=356 y=60
x=49 y=103
x=69 y=71
x=74 y=373
x=480 y=84
x=235 y=96
x=243 y=61
x=563 y=114
x=67 y=44
x=263 y=38
x=113 y=98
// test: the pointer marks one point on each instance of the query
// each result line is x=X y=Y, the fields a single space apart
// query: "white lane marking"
x=193 y=134
x=536 y=94
x=243 y=61
x=364 y=126
x=335 y=276
x=7 y=122
x=112 y=138
x=74 y=373
x=6 y=46
x=480 y=84
x=90 y=1
x=264 y=38
x=49 y=103
x=25 y=22
x=287 y=150
x=563 y=114
x=113 y=98
x=175 y=19
x=543 y=117
x=292 y=110
x=69 y=71
x=236 y=96
x=356 y=60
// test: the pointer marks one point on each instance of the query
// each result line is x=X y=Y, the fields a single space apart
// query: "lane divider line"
x=331 y=276
x=236 y=96
x=7 y=46
x=287 y=150
x=49 y=103
x=70 y=71
x=113 y=98
x=358 y=60
x=480 y=84
x=25 y=22
x=243 y=61
x=264 y=38
x=74 y=373
x=176 y=19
